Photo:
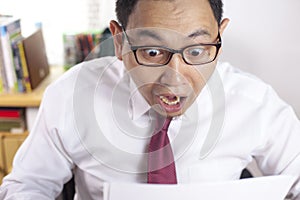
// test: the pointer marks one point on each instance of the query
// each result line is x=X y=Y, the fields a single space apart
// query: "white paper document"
x=261 y=188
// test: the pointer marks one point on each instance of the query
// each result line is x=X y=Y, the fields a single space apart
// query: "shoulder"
x=76 y=84
x=82 y=78
x=242 y=84
x=88 y=72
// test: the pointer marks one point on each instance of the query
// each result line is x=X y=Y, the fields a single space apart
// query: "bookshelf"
x=31 y=99
x=9 y=143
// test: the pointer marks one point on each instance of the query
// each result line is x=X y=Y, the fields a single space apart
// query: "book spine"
x=12 y=125
x=14 y=29
x=10 y=114
x=70 y=50
x=8 y=60
x=14 y=33
x=81 y=47
x=26 y=79
x=90 y=41
x=1 y=84
x=2 y=70
x=18 y=68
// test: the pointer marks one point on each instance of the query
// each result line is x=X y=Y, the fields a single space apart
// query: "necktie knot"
x=166 y=124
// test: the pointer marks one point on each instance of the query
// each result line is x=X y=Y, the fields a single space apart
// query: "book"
x=70 y=50
x=10 y=29
x=23 y=62
x=4 y=84
x=12 y=120
x=2 y=76
x=3 y=81
x=17 y=64
x=11 y=112
x=12 y=125
x=80 y=46
x=36 y=57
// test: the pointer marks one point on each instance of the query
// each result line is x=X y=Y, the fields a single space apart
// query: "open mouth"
x=171 y=103
x=170 y=100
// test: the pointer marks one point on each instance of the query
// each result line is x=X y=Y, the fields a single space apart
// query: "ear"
x=222 y=28
x=116 y=31
x=223 y=25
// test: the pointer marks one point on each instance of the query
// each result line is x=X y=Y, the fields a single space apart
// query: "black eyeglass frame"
x=134 y=49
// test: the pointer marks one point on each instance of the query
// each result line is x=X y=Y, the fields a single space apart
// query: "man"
x=97 y=121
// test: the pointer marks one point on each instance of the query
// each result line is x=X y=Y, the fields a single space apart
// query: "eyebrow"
x=150 y=34
x=199 y=32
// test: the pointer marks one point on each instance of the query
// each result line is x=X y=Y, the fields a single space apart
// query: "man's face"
x=172 y=88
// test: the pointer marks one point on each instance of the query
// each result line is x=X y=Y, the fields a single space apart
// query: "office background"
x=262 y=37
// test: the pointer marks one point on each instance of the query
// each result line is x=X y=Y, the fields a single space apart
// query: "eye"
x=195 y=51
x=152 y=55
x=152 y=52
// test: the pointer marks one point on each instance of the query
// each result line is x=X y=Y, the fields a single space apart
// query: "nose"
x=173 y=75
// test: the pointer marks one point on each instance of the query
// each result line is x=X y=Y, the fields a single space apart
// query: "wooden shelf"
x=8 y=134
x=31 y=99
x=9 y=144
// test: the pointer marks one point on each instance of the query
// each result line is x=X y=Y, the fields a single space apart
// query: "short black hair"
x=125 y=7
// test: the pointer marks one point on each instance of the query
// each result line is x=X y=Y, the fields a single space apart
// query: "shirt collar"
x=139 y=106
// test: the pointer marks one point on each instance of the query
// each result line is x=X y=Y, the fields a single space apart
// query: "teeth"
x=170 y=102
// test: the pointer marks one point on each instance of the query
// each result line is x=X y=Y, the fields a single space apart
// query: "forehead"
x=183 y=16
x=165 y=37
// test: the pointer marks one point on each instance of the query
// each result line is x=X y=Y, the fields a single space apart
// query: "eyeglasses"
x=156 y=56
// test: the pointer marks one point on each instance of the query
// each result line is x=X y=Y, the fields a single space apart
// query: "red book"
x=11 y=113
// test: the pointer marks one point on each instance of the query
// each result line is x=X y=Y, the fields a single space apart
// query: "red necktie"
x=161 y=166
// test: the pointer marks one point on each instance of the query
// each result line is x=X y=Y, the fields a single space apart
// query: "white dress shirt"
x=95 y=125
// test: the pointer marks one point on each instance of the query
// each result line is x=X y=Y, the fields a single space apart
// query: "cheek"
x=146 y=92
x=196 y=80
x=198 y=77
x=140 y=74
x=144 y=78
x=204 y=72
x=129 y=61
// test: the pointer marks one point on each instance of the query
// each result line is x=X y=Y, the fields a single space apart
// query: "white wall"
x=263 y=38
x=107 y=11
x=57 y=17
